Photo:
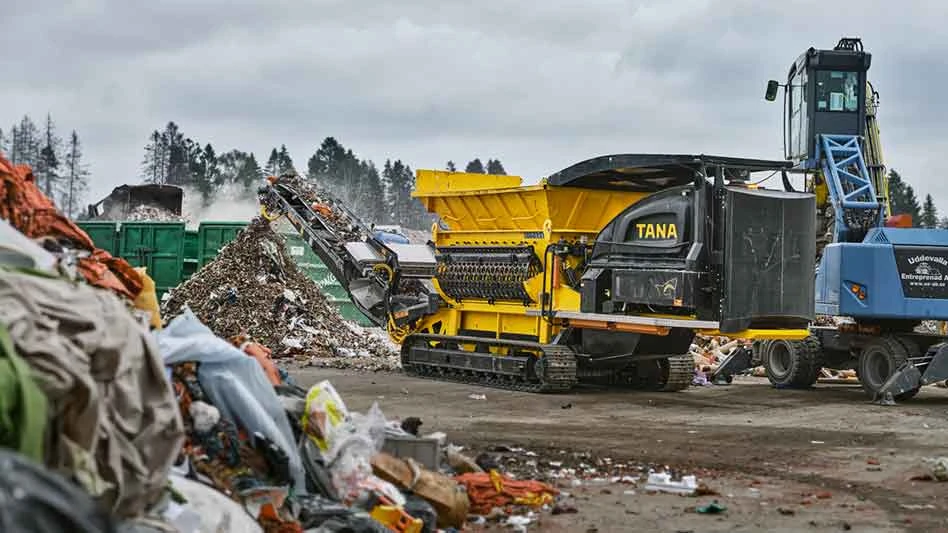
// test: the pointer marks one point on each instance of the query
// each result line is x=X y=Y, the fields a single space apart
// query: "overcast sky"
x=539 y=86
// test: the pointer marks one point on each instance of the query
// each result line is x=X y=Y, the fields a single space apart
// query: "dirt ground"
x=780 y=460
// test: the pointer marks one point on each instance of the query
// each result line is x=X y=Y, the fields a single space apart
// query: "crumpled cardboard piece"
x=445 y=494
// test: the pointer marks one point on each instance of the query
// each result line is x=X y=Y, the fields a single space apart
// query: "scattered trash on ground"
x=935 y=469
x=662 y=482
x=711 y=508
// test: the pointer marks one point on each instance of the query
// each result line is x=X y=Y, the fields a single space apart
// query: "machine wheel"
x=879 y=360
x=792 y=364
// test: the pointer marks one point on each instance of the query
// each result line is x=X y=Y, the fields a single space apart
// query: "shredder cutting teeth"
x=603 y=272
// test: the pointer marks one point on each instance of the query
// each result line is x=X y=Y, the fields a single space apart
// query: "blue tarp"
x=233 y=382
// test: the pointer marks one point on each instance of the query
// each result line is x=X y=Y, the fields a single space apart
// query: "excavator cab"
x=825 y=94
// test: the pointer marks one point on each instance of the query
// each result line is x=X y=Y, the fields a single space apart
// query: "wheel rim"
x=780 y=362
x=877 y=369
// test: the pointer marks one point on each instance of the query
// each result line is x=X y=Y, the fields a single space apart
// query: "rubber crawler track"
x=680 y=374
x=558 y=370
x=681 y=371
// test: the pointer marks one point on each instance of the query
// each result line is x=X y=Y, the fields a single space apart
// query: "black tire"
x=792 y=364
x=879 y=359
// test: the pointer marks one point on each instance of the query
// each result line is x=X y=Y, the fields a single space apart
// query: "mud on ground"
x=781 y=460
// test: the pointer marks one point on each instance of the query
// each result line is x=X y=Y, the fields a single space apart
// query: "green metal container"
x=316 y=270
x=157 y=246
x=103 y=234
x=212 y=236
x=190 y=261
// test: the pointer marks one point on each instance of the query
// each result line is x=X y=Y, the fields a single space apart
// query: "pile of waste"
x=141 y=213
x=345 y=225
x=709 y=353
x=151 y=213
x=254 y=289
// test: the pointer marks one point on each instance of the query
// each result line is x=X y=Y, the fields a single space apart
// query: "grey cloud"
x=540 y=86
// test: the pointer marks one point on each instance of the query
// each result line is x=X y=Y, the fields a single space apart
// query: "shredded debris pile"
x=331 y=210
x=152 y=214
x=254 y=288
x=142 y=213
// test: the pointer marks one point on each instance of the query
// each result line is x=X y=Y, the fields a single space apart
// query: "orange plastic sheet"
x=487 y=490
x=24 y=206
x=261 y=353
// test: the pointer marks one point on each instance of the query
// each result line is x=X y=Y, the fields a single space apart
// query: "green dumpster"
x=316 y=270
x=157 y=246
x=212 y=236
x=103 y=234
x=190 y=262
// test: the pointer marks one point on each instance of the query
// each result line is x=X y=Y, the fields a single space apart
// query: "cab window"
x=837 y=91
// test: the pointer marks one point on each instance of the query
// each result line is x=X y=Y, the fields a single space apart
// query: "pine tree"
x=351 y=178
x=475 y=167
x=273 y=164
x=230 y=164
x=943 y=223
x=250 y=172
x=206 y=174
x=394 y=176
x=912 y=206
x=25 y=146
x=902 y=198
x=388 y=198
x=14 y=142
x=494 y=167
x=4 y=148
x=179 y=155
x=373 y=199
x=324 y=165
x=405 y=210
x=194 y=169
x=284 y=161
x=929 y=218
x=154 y=165
x=76 y=175
x=46 y=166
x=450 y=166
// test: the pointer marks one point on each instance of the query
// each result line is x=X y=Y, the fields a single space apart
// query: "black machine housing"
x=701 y=247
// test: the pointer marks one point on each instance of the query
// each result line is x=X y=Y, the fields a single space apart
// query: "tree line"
x=902 y=201
x=380 y=196
x=58 y=165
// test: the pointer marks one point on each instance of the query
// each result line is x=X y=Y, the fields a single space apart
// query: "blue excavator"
x=877 y=278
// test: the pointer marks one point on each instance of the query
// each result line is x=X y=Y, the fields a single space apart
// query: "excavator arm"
x=872 y=150
x=390 y=283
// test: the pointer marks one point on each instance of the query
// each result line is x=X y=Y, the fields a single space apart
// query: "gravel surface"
x=779 y=460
